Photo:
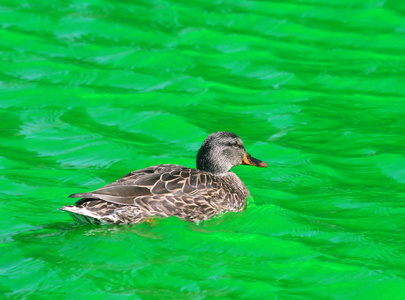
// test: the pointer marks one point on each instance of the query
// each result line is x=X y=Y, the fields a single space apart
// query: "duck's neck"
x=210 y=168
x=209 y=161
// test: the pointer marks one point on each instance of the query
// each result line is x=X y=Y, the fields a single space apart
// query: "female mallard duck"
x=171 y=190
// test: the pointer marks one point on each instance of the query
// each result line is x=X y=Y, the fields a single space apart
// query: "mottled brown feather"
x=172 y=190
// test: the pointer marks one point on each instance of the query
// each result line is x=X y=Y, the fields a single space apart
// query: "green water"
x=91 y=90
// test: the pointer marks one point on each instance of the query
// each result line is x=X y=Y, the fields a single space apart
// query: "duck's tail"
x=102 y=212
x=82 y=215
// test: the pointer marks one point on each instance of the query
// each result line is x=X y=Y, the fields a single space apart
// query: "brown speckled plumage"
x=171 y=190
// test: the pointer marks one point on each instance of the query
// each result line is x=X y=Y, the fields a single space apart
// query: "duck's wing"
x=151 y=183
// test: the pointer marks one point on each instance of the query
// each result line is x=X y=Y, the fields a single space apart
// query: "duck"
x=166 y=190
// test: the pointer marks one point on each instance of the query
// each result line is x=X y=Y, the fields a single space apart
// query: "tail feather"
x=79 y=195
x=102 y=212
x=82 y=215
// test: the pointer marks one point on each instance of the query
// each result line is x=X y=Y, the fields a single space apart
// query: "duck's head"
x=222 y=151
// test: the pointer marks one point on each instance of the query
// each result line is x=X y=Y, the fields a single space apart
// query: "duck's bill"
x=251 y=161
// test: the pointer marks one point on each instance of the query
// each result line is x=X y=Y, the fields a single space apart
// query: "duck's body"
x=171 y=190
x=162 y=191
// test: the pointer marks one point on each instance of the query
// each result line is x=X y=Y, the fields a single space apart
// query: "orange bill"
x=251 y=161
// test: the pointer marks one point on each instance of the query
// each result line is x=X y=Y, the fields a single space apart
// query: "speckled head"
x=222 y=151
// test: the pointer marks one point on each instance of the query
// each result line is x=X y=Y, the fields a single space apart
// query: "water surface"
x=91 y=90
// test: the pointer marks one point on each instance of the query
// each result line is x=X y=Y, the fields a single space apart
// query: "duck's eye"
x=235 y=144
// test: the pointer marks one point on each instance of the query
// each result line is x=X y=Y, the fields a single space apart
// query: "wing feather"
x=168 y=185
